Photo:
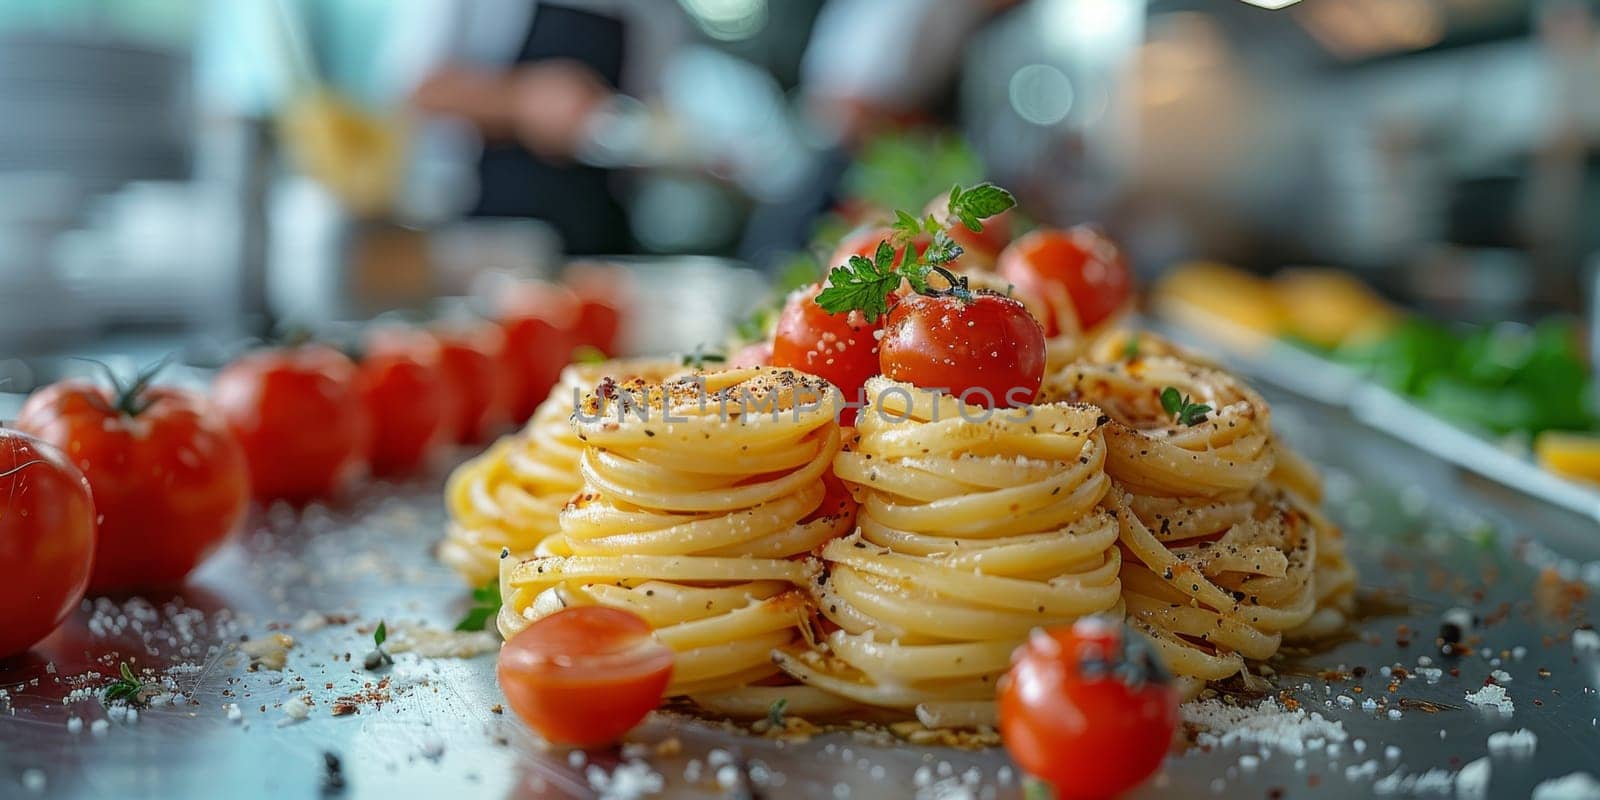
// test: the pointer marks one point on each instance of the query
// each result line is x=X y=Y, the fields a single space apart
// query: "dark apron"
x=574 y=198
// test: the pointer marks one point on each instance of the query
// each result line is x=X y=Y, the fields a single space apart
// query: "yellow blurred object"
x=1330 y=307
x=1223 y=301
x=354 y=153
x=1571 y=455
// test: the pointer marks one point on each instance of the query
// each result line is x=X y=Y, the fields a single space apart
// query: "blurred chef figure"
x=861 y=73
x=535 y=81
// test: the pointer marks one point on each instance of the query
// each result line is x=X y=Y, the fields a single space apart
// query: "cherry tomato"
x=1080 y=270
x=841 y=348
x=602 y=292
x=1087 y=708
x=403 y=387
x=980 y=248
x=300 y=418
x=755 y=354
x=987 y=350
x=169 y=479
x=469 y=357
x=585 y=675
x=47 y=538
x=539 y=321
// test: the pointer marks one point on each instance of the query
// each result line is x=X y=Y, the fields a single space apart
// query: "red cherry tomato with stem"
x=987 y=350
x=300 y=418
x=585 y=675
x=1088 y=709
x=47 y=538
x=170 y=481
x=1079 y=271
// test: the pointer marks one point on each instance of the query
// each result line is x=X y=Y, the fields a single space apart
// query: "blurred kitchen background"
x=211 y=169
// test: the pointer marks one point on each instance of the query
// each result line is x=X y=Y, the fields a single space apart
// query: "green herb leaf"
x=775 y=711
x=1182 y=408
x=1171 y=400
x=860 y=285
x=380 y=635
x=485 y=607
x=906 y=227
x=1130 y=351
x=127 y=687
x=943 y=250
x=978 y=203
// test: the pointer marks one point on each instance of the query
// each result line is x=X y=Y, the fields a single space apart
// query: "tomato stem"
x=958 y=285
x=130 y=397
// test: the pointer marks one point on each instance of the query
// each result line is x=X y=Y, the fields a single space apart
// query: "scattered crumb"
x=438 y=643
x=270 y=652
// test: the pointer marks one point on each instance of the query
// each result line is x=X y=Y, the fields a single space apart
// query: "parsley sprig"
x=485 y=607
x=126 y=688
x=1183 y=410
x=865 y=284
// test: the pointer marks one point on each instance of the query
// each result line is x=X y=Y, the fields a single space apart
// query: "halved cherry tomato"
x=403 y=388
x=1087 y=708
x=47 y=538
x=539 y=321
x=603 y=292
x=585 y=675
x=469 y=357
x=300 y=418
x=169 y=479
x=988 y=350
x=841 y=348
x=980 y=248
x=1079 y=270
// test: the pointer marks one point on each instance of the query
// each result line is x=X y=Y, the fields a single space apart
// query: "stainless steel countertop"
x=1415 y=526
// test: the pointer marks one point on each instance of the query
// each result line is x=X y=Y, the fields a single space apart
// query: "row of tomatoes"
x=132 y=486
x=992 y=344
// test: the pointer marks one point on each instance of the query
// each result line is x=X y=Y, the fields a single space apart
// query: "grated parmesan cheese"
x=1269 y=725
x=1492 y=696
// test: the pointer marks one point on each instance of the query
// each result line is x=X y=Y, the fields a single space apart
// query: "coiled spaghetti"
x=698 y=494
x=971 y=533
x=510 y=496
x=1335 y=577
x=1219 y=561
